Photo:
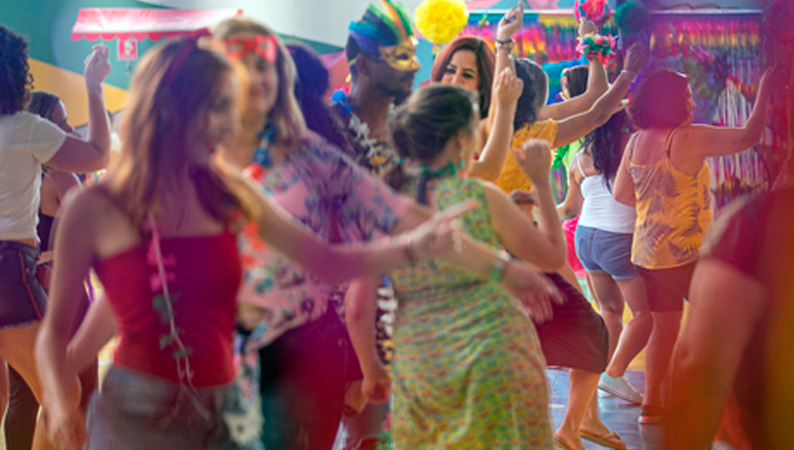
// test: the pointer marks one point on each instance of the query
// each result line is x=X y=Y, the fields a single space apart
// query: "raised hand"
x=534 y=157
x=510 y=23
x=532 y=289
x=97 y=66
x=508 y=87
x=636 y=58
x=587 y=27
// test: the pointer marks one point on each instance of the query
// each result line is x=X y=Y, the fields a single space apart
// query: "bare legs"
x=624 y=345
x=666 y=290
x=16 y=347
x=581 y=413
x=581 y=395
x=659 y=354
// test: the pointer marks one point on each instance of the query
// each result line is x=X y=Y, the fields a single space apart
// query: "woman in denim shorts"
x=603 y=245
x=26 y=142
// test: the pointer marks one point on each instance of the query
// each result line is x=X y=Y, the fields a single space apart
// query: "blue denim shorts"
x=22 y=299
x=600 y=250
x=135 y=411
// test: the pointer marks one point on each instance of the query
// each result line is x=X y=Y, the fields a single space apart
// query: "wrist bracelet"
x=508 y=44
x=630 y=72
x=597 y=47
x=498 y=269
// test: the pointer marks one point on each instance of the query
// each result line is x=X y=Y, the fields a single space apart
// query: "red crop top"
x=204 y=274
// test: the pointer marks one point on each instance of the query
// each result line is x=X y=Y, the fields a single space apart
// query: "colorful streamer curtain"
x=545 y=38
x=722 y=55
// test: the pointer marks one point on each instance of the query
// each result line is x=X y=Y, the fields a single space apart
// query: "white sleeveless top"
x=600 y=209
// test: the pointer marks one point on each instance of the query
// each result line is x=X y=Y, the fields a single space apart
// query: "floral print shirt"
x=340 y=202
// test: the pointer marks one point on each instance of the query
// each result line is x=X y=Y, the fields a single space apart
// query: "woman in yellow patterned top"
x=469 y=62
x=566 y=122
x=664 y=175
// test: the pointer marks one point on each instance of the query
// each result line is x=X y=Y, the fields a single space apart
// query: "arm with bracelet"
x=577 y=126
x=597 y=82
x=497 y=129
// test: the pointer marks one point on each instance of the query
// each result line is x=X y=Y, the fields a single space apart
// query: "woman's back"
x=599 y=208
x=437 y=287
x=466 y=348
x=673 y=206
x=202 y=290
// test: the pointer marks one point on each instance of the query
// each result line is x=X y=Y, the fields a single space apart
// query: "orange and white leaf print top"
x=673 y=212
x=512 y=177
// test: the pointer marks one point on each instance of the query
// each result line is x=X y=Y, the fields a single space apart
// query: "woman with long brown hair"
x=160 y=232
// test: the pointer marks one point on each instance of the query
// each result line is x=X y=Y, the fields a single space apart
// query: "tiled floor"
x=619 y=416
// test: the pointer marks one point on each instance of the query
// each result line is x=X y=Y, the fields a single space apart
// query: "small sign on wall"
x=127 y=49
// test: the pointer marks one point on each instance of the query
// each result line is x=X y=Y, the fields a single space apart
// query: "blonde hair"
x=171 y=90
x=286 y=113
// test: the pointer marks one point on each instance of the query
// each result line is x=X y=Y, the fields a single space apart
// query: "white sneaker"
x=620 y=387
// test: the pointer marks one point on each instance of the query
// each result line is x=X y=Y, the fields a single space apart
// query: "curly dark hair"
x=605 y=145
x=662 y=100
x=486 y=64
x=535 y=93
x=16 y=81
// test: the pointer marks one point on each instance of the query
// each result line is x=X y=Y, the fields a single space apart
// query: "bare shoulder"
x=493 y=194
x=695 y=133
x=84 y=201
x=574 y=174
x=91 y=210
x=87 y=207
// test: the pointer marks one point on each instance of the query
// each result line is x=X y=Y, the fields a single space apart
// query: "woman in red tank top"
x=160 y=233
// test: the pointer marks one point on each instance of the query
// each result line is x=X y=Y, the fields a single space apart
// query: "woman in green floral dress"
x=468 y=371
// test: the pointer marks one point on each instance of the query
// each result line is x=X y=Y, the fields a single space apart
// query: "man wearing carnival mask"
x=381 y=52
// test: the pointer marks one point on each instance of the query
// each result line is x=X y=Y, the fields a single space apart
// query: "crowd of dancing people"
x=387 y=268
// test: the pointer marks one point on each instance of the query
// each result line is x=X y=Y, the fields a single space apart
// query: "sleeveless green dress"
x=468 y=371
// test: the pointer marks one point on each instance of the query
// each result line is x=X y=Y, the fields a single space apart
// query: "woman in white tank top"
x=603 y=245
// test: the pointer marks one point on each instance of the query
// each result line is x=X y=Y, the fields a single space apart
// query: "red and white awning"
x=154 y=24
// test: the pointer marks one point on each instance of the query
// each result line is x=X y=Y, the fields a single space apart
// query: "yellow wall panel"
x=70 y=87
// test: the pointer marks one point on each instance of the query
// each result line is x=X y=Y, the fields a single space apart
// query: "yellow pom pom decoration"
x=441 y=20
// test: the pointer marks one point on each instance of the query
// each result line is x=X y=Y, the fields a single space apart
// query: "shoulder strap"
x=632 y=144
x=579 y=165
x=669 y=144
